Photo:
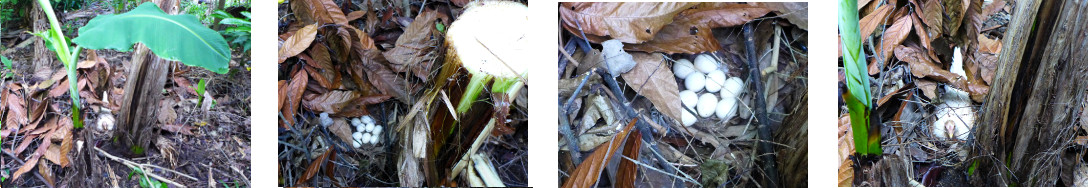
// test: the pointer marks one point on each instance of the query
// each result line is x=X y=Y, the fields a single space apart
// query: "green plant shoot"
x=145 y=181
x=200 y=91
x=55 y=40
x=858 y=98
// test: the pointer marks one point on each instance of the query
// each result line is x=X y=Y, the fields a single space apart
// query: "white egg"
x=732 y=88
x=715 y=80
x=366 y=138
x=369 y=127
x=360 y=127
x=377 y=130
x=689 y=98
x=687 y=118
x=374 y=139
x=695 y=82
x=707 y=104
x=366 y=120
x=355 y=122
x=706 y=63
x=727 y=108
x=682 y=68
x=357 y=139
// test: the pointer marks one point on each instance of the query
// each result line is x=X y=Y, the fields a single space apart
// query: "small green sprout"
x=145 y=181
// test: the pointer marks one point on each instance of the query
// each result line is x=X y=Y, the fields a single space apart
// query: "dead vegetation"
x=624 y=128
x=387 y=61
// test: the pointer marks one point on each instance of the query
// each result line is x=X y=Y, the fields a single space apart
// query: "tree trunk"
x=1029 y=119
x=137 y=124
x=42 y=65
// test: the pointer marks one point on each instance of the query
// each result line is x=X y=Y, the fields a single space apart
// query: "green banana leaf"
x=173 y=37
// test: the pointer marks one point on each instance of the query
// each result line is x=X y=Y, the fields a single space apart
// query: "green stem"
x=472 y=91
x=858 y=98
x=66 y=56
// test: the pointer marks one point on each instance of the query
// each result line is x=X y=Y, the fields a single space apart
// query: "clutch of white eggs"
x=366 y=131
x=707 y=73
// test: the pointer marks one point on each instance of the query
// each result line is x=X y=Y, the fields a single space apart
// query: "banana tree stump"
x=1031 y=114
x=137 y=125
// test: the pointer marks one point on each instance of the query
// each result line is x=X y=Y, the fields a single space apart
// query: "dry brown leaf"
x=331 y=102
x=988 y=45
x=59 y=153
x=846 y=148
x=355 y=15
x=992 y=8
x=319 y=54
x=628 y=171
x=282 y=94
x=166 y=111
x=987 y=65
x=320 y=79
x=315 y=166
x=45 y=171
x=627 y=22
x=653 y=79
x=893 y=36
x=371 y=64
x=954 y=11
x=795 y=12
x=919 y=29
x=342 y=129
x=294 y=93
x=17 y=112
x=870 y=22
x=357 y=107
x=184 y=83
x=921 y=66
x=587 y=173
x=318 y=11
x=933 y=16
x=415 y=49
x=178 y=128
x=691 y=32
x=33 y=162
x=298 y=42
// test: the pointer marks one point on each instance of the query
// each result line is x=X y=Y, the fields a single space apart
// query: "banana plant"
x=172 y=37
x=858 y=98
x=58 y=43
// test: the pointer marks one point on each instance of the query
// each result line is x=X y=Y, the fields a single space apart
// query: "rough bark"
x=137 y=124
x=1027 y=122
x=42 y=65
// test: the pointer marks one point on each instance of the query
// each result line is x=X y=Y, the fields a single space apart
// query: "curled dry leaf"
x=587 y=173
x=986 y=66
x=988 y=45
x=415 y=49
x=933 y=16
x=653 y=79
x=691 y=31
x=870 y=22
x=331 y=102
x=921 y=66
x=795 y=12
x=846 y=148
x=893 y=36
x=318 y=11
x=371 y=63
x=627 y=22
x=315 y=166
x=293 y=93
x=954 y=11
x=342 y=129
x=628 y=171
x=298 y=42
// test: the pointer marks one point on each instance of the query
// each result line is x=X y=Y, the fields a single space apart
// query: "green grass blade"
x=173 y=37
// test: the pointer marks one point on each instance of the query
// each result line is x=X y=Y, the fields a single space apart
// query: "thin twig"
x=761 y=109
x=131 y=164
